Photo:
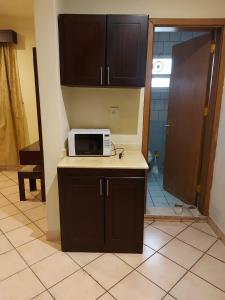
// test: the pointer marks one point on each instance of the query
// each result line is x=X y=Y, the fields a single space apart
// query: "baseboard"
x=52 y=236
x=175 y=218
x=217 y=230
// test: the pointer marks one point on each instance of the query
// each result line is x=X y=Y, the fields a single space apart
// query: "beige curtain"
x=13 y=131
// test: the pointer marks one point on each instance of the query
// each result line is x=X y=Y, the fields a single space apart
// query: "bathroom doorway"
x=183 y=66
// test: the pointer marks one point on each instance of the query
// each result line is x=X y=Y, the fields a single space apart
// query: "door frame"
x=214 y=116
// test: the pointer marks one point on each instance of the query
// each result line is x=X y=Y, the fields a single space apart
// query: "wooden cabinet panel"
x=82 y=49
x=126 y=50
x=124 y=214
x=81 y=213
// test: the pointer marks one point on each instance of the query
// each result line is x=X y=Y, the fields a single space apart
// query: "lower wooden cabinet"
x=101 y=210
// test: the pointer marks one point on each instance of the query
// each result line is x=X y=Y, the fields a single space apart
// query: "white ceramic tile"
x=218 y=250
x=4 y=244
x=42 y=224
x=162 y=271
x=172 y=228
x=194 y=288
x=13 y=222
x=212 y=270
x=108 y=270
x=21 y=286
x=181 y=253
x=43 y=296
x=136 y=287
x=162 y=211
x=24 y=234
x=54 y=268
x=10 y=263
x=155 y=238
x=7 y=211
x=196 y=238
x=36 y=213
x=134 y=260
x=79 y=284
x=83 y=258
x=205 y=227
x=37 y=249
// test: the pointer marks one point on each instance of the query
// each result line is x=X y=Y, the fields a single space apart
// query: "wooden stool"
x=32 y=173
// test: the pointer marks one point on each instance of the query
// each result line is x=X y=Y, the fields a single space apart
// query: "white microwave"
x=89 y=142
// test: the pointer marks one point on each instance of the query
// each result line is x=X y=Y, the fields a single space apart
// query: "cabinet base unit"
x=101 y=210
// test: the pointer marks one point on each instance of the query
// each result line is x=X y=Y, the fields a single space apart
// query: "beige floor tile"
x=7 y=211
x=21 y=286
x=24 y=234
x=108 y=270
x=6 y=184
x=136 y=287
x=197 y=238
x=212 y=270
x=172 y=228
x=205 y=227
x=3 y=201
x=3 y=178
x=161 y=211
x=194 y=288
x=106 y=296
x=162 y=271
x=42 y=224
x=9 y=190
x=146 y=224
x=43 y=296
x=168 y=297
x=28 y=204
x=10 y=263
x=37 y=250
x=181 y=253
x=79 y=284
x=13 y=222
x=134 y=260
x=83 y=258
x=54 y=268
x=15 y=197
x=218 y=250
x=155 y=238
x=4 y=244
x=36 y=213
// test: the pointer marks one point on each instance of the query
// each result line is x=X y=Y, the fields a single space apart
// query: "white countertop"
x=132 y=159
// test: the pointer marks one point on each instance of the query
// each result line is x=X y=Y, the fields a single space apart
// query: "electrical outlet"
x=114 y=111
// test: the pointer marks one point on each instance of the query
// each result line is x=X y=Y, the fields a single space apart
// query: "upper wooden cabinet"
x=99 y=50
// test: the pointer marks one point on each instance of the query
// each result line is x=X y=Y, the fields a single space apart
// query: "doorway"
x=182 y=92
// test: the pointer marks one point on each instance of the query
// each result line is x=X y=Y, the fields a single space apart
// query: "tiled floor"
x=181 y=260
x=160 y=202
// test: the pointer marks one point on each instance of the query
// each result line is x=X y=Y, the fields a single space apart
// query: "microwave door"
x=89 y=144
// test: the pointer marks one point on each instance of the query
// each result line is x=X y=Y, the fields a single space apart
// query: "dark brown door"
x=126 y=50
x=124 y=213
x=82 y=49
x=187 y=100
x=81 y=213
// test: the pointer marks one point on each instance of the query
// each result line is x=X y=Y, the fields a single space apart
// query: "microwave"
x=89 y=142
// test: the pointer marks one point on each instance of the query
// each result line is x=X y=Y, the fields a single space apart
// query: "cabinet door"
x=82 y=49
x=124 y=214
x=81 y=213
x=126 y=50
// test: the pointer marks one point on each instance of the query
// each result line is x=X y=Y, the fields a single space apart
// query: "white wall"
x=54 y=117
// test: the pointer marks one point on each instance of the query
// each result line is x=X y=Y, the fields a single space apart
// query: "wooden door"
x=81 y=213
x=82 y=49
x=187 y=101
x=126 y=50
x=124 y=214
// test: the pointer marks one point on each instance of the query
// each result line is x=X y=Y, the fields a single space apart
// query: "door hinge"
x=206 y=111
x=213 y=48
x=198 y=188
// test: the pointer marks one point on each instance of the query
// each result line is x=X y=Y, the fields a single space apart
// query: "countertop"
x=132 y=159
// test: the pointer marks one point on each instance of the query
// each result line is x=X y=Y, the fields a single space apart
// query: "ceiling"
x=18 y=8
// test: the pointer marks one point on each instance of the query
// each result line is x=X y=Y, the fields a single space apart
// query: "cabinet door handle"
x=108 y=74
x=107 y=188
x=101 y=70
x=101 y=190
